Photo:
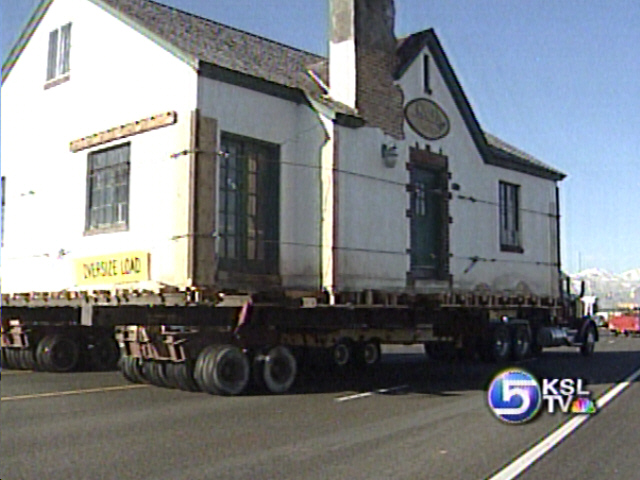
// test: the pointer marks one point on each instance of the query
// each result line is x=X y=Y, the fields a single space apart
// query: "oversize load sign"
x=112 y=269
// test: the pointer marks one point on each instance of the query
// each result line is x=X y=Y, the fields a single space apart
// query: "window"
x=249 y=205
x=425 y=74
x=108 y=189
x=510 y=240
x=59 y=47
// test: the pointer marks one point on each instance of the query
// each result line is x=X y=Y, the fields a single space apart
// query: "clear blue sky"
x=559 y=79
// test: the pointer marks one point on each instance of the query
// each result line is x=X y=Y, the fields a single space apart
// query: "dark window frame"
x=510 y=217
x=108 y=189
x=249 y=205
x=426 y=78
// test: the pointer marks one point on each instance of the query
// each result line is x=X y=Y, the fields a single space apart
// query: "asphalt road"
x=412 y=419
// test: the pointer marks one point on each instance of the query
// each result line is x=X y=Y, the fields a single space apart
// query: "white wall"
x=117 y=76
x=300 y=134
x=475 y=228
x=374 y=231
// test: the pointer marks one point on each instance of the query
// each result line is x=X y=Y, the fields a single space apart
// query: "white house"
x=143 y=146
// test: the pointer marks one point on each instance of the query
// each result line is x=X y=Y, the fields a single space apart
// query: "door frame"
x=425 y=159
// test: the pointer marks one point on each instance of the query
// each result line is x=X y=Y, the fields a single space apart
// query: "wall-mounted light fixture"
x=389 y=154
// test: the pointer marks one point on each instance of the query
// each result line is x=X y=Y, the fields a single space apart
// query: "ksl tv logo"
x=516 y=396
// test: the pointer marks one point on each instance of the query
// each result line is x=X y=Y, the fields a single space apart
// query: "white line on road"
x=528 y=458
x=368 y=394
x=70 y=392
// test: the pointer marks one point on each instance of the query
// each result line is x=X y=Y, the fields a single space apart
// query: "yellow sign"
x=112 y=269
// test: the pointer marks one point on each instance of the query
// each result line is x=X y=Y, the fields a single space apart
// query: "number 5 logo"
x=514 y=388
x=514 y=396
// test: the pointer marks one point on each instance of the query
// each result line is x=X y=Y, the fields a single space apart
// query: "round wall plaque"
x=427 y=119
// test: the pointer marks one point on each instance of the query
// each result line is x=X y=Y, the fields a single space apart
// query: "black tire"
x=369 y=353
x=589 y=342
x=521 y=342
x=62 y=354
x=198 y=369
x=499 y=345
x=10 y=358
x=104 y=354
x=19 y=359
x=182 y=373
x=226 y=370
x=3 y=358
x=123 y=365
x=161 y=374
x=277 y=370
x=168 y=375
x=342 y=353
x=134 y=367
x=41 y=349
x=29 y=359
x=148 y=372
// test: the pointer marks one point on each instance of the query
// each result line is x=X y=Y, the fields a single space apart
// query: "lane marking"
x=369 y=394
x=70 y=392
x=531 y=456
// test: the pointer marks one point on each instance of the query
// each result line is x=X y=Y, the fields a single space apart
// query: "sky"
x=558 y=79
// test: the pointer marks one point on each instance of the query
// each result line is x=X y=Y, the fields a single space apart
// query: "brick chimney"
x=362 y=61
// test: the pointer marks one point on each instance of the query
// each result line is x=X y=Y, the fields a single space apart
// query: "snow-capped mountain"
x=611 y=289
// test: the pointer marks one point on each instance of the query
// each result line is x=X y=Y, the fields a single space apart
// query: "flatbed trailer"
x=225 y=343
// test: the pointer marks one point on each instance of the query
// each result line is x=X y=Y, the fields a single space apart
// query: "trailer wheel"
x=58 y=353
x=198 y=369
x=521 y=342
x=183 y=375
x=342 y=353
x=10 y=359
x=226 y=370
x=123 y=366
x=368 y=353
x=131 y=369
x=3 y=357
x=19 y=359
x=277 y=370
x=28 y=359
x=589 y=343
x=161 y=375
x=148 y=372
x=104 y=354
x=500 y=344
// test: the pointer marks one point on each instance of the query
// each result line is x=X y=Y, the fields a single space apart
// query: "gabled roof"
x=510 y=155
x=240 y=57
x=493 y=150
x=219 y=44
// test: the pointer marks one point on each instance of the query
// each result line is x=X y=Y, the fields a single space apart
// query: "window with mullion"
x=108 y=189
x=248 y=205
x=509 y=201
x=58 y=55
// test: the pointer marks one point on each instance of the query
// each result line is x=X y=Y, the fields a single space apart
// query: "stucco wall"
x=374 y=230
x=475 y=228
x=117 y=76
